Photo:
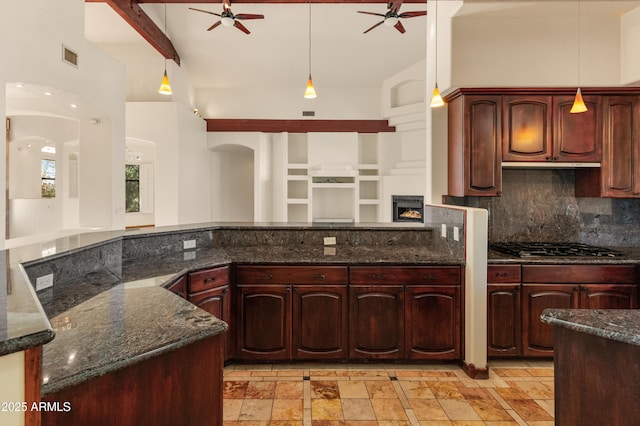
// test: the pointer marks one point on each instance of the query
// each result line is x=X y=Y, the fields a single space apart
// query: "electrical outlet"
x=44 y=282
x=188 y=244
x=329 y=241
x=443 y=231
x=456 y=233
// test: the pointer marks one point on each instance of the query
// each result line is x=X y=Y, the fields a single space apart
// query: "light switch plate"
x=444 y=230
x=44 y=282
x=188 y=244
x=456 y=233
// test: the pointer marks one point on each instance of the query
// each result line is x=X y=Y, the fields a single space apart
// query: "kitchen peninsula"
x=110 y=314
x=596 y=367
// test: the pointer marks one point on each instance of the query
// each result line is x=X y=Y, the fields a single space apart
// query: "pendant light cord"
x=309 y=37
x=579 y=39
x=436 y=41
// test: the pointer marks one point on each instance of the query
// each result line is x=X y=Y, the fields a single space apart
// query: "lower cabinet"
x=405 y=312
x=293 y=313
x=210 y=291
x=504 y=311
x=376 y=317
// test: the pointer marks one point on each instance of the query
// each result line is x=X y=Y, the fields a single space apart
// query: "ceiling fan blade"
x=241 y=27
x=205 y=11
x=372 y=13
x=412 y=14
x=399 y=27
x=214 y=25
x=379 y=23
x=248 y=16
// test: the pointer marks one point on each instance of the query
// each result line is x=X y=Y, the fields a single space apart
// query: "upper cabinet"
x=619 y=176
x=492 y=128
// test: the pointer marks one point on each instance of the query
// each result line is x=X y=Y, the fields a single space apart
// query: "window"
x=132 y=188
x=48 y=174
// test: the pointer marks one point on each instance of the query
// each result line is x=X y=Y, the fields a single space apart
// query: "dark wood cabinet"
x=571 y=287
x=264 y=322
x=577 y=137
x=527 y=128
x=475 y=145
x=504 y=311
x=292 y=312
x=210 y=290
x=433 y=321
x=320 y=322
x=619 y=175
x=537 y=337
x=405 y=312
x=376 y=319
x=179 y=287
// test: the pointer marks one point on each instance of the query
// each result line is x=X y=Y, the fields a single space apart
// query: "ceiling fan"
x=228 y=19
x=392 y=17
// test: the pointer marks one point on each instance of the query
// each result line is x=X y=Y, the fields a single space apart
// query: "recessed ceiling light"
x=47 y=93
x=49 y=149
x=73 y=106
x=19 y=85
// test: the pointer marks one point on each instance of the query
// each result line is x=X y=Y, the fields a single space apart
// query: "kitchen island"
x=596 y=368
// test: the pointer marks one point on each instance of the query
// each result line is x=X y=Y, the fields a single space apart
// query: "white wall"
x=535 y=44
x=31 y=47
x=233 y=179
x=182 y=173
x=629 y=58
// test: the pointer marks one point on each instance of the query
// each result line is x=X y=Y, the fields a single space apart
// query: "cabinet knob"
x=210 y=280
x=266 y=276
x=225 y=291
x=318 y=276
x=377 y=276
x=429 y=277
x=502 y=274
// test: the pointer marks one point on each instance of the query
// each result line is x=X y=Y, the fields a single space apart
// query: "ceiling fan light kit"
x=228 y=19
x=392 y=17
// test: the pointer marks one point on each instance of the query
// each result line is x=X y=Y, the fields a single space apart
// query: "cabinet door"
x=432 y=322
x=527 y=128
x=608 y=296
x=504 y=313
x=537 y=337
x=577 y=137
x=320 y=322
x=483 y=168
x=179 y=287
x=376 y=322
x=621 y=150
x=264 y=322
x=217 y=302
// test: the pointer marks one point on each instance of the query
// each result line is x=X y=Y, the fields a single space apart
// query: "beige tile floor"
x=516 y=393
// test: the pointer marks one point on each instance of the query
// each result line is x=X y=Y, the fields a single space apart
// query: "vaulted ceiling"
x=275 y=54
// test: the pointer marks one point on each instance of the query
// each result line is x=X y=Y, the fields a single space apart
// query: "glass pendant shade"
x=165 y=87
x=436 y=99
x=310 y=91
x=578 y=104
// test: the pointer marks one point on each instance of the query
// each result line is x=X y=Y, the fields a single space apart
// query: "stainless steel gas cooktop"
x=550 y=249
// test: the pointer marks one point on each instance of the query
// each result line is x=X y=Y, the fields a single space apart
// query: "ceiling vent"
x=308 y=113
x=69 y=56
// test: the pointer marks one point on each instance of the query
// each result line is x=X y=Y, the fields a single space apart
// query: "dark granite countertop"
x=621 y=325
x=108 y=310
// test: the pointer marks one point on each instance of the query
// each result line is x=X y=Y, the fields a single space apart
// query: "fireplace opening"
x=408 y=208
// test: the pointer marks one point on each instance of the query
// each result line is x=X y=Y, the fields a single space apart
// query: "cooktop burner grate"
x=549 y=249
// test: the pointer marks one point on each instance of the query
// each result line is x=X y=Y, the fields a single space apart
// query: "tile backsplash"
x=540 y=205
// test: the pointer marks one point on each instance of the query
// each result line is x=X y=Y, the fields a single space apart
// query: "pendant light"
x=436 y=99
x=578 y=103
x=310 y=91
x=165 y=87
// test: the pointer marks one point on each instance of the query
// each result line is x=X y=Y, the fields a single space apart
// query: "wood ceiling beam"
x=297 y=126
x=133 y=14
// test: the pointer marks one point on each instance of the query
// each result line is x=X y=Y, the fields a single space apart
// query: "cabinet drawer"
x=291 y=275
x=405 y=275
x=503 y=273
x=204 y=280
x=575 y=274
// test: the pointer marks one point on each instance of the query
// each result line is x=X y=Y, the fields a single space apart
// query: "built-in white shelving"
x=332 y=177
